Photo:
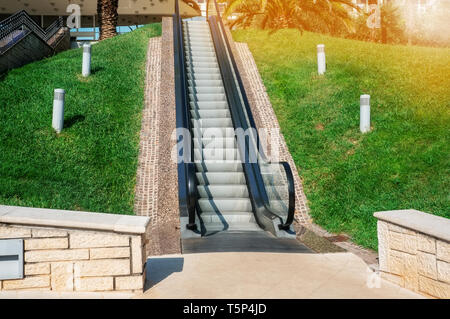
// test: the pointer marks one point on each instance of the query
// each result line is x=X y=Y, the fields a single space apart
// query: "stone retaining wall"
x=414 y=251
x=101 y=252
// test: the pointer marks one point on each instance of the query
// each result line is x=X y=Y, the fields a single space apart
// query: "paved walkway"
x=157 y=197
x=147 y=173
x=248 y=275
x=266 y=275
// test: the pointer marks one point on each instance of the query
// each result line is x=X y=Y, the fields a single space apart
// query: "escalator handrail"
x=187 y=182
x=257 y=174
x=257 y=192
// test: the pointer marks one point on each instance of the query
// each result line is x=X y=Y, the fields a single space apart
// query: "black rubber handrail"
x=187 y=181
x=234 y=94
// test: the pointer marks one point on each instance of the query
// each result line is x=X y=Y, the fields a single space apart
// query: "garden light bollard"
x=321 y=62
x=58 y=110
x=364 y=110
x=86 y=60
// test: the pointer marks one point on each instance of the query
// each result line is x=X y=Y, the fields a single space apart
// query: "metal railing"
x=53 y=28
x=22 y=21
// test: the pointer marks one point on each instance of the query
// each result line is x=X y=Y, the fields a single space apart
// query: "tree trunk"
x=383 y=25
x=107 y=17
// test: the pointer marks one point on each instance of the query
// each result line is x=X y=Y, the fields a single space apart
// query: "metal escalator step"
x=216 y=154
x=230 y=217
x=197 y=37
x=219 y=166
x=221 y=178
x=200 y=51
x=212 y=228
x=215 y=132
x=213 y=122
x=193 y=37
x=221 y=191
x=204 y=76
x=201 y=59
x=201 y=64
x=200 y=54
x=197 y=25
x=209 y=105
x=199 y=43
x=205 y=82
x=206 y=90
x=225 y=205
x=199 y=70
x=205 y=97
x=215 y=142
x=205 y=114
x=199 y=46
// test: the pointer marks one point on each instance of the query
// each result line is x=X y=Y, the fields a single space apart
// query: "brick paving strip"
x=265 y=118
x=147 y=174
x=157 y=181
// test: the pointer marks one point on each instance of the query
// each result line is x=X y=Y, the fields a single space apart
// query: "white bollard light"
x=58 y=110
x=321 y=62
x=364 y=110
x=86 y=59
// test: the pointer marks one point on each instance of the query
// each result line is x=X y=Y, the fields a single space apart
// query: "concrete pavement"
x=249 y=275
x=266 y=275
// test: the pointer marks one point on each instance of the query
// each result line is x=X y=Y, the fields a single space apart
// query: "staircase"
x=23 y=41
x=223 y=203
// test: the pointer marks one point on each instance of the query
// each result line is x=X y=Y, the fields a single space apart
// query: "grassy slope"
x=402 y=163
x=92 y=164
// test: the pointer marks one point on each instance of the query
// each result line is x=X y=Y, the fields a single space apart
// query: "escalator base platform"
x=242 y=241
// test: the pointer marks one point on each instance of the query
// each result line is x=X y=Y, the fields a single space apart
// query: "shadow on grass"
x=71 y=121
x=97 y=69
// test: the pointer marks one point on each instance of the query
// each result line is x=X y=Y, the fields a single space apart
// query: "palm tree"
x=300 y=14
x=108 y=18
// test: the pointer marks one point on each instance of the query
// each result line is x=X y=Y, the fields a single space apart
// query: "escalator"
x=23 y=41
x=223 y=200
x=232 y=198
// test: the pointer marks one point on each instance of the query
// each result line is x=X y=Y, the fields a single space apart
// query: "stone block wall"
x=70 y=259
x=414 y=251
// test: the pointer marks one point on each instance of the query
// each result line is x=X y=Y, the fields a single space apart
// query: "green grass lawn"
x=403 y=163
x=91 y=165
